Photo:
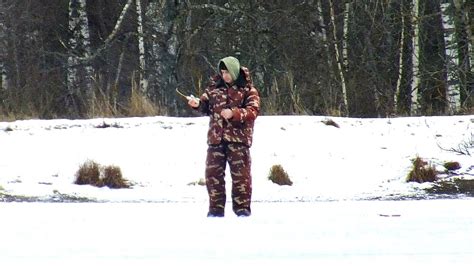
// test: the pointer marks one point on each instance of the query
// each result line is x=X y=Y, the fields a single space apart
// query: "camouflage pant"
x=238 y=157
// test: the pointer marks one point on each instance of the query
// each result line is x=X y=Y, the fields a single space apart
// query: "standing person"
x=232 y=103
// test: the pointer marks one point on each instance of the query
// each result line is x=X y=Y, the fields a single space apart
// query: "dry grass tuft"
x=140 y=105
x=422 y=172
x=113 y=177
x=91 y=173
x=279 y=176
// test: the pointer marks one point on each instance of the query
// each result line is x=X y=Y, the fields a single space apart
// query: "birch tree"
x=161 y=16
x=141 y=50
x=415 y=58
x=79 y=45
x=338 y=57
x=401 y=60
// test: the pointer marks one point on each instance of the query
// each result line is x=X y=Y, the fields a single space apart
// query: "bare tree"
x=339 y=58
x=79 y=45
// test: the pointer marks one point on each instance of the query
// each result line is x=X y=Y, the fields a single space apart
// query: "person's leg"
x=238 y=156
x=215 y=183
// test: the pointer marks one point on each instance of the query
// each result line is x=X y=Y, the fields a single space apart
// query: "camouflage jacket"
x=244 y=101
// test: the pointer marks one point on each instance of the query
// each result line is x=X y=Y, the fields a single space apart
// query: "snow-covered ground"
x=435 y=232
x=339 y=211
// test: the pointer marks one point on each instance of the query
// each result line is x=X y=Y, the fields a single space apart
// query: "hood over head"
x=231 y=64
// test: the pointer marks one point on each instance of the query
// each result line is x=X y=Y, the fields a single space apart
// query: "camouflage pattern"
x=238 y=157
x=229 y=140
x=244 y=102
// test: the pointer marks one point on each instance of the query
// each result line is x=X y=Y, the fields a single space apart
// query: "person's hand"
x=227 y=113
x=193 y=102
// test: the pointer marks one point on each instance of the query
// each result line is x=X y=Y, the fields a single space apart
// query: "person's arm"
x=200 y=104
x=251 y=108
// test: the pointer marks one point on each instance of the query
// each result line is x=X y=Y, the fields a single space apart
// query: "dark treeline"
x=373 y=58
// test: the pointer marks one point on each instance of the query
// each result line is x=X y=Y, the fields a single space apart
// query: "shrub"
x=91 y=173
x=464 y=148
x=422 y=172
x=113 y=178
x=451 y=166
x=279 y=176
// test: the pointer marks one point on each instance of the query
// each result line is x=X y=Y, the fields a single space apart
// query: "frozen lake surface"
x=424 y=232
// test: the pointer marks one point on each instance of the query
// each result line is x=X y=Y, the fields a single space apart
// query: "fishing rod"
x=190 y=97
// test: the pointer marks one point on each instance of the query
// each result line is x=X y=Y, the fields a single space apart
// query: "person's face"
x=226 y=76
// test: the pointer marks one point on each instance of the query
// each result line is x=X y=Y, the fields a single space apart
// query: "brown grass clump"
x=89 y=174
x=279 y=176
x=92 y=173
x=113 y=177
x=422 y=172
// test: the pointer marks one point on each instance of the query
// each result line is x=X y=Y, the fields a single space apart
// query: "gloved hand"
x=227 y=113
x=193 y=101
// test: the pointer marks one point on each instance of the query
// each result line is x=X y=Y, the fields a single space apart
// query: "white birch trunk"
x=400 y=65
x=338 y=58
x=72 y=73
x=344 y=40
x=80 y=44
x=452 y=60
x=141 y=50
x=415 y=58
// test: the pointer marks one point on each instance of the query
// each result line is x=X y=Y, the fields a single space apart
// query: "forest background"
x=103 y=58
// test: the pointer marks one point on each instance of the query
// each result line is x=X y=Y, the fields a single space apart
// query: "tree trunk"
x=345 y=34
x=3 y=51
x=79 y=76
x=432 y=60
x=338 y=58
x=452 y=59
x=401 y=60
x=141 y=51
x=162 y=16
x=405 y=73
x=464 y=53
x=415 y=58
x=330 y=101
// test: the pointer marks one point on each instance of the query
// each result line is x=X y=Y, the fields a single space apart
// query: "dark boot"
x=215 y=213
x=242 y=213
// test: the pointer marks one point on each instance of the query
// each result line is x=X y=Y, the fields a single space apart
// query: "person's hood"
x=232 y=64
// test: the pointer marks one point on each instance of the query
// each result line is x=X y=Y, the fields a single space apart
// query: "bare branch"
x=111 y=37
